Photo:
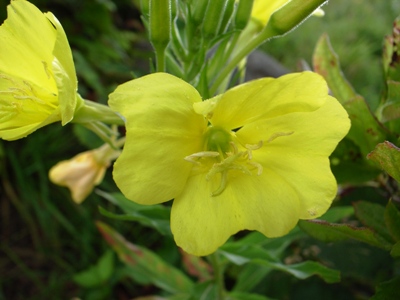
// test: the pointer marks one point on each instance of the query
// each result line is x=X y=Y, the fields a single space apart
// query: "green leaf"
x=372 y=216
x=98 y=274
x=241 y=254
x=246 y=296
x=392 y=219
x=144 y=262
x=387 y=156
x=250 y=275
x=395 y=252
x=305 y=270
x=330 y=232
x=153 y=216
x=387 y=290
x=365 y=130
x=391 y=53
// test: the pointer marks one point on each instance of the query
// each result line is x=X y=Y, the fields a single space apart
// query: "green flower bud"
x=291 y=15
x=243 y=13
x=199 y=8
x=213 y=18
x=160 y=23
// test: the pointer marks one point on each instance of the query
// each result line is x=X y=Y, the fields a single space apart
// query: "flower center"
x=16 y=94
x=222 y=155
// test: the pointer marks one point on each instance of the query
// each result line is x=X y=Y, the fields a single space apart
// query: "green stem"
x=242 y=53
x=218 y=275
x=160 y=59
x=95 y=112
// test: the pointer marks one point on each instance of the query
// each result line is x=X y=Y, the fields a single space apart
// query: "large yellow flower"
x=37 y=75
x=255 y=157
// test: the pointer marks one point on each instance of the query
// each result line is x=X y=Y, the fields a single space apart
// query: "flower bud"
x=213 y=18
x=160 y=23
x=292 y=14
x=243 y=13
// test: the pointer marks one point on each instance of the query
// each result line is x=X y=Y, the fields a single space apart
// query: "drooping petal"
x=162 y=129
x=297 y=147
x=201 y=223
x=268 y=97
x=64 y=73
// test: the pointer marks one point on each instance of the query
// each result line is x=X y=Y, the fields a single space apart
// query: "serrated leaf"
x=387 y=156
x=372 y=215
x=392 y=220
x=98 y=274
x=387 y=290
x=330 y=232
x=365 y=129
x=146 y=262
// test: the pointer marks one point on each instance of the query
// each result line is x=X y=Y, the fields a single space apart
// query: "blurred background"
x=46 y=239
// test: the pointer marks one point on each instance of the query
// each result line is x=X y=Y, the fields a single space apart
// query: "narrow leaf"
x=387 y=290
x=372 y=216
x=329 y=232
x=387 y=156
x=305 y=269
x=144 y=261
x=392 y=219
x=365 y=131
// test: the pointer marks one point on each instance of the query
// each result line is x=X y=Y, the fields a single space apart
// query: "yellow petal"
x=297 y=146
x=263 y=9
x=80 y=174
x=201 y=223
x=64 y=72
x=268 y=97
x=161 y=130
x=28 y=40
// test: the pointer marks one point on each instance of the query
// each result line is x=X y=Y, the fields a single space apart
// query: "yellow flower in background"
x=38 y=84
x=84 y=171
x=255 y=157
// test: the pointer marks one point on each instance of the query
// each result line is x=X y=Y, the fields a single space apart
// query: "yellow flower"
x=37 y=76
x=84 y=171
x=255 y=157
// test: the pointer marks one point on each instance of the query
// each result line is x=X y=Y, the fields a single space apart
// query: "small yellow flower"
x=84 y=171
x=38 y=84
x=255 y=157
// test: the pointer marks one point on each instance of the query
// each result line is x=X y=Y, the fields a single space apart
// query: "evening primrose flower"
x=255 y=157
x=38 y=84
x=84 y=171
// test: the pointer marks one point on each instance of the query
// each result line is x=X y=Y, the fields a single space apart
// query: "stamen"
x=257 y=165
x=279 y=134
x=193 y=157
x=222 y=185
